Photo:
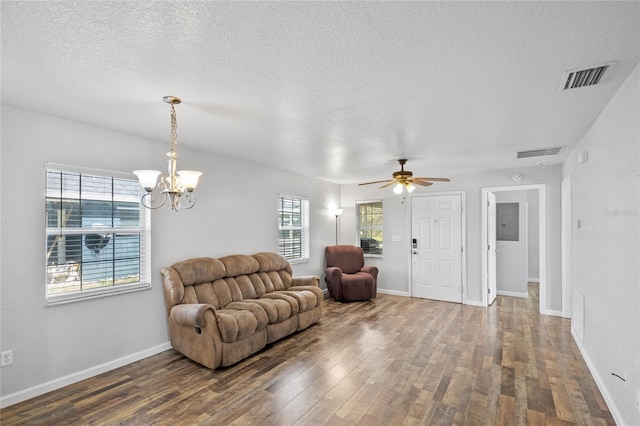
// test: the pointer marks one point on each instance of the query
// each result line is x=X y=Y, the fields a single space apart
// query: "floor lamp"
x=337 y=212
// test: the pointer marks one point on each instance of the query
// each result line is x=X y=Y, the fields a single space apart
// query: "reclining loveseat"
x=224 y=310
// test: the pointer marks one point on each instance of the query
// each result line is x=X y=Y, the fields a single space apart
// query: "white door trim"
x=463 y=263
x=543 y=238
x=567 y=252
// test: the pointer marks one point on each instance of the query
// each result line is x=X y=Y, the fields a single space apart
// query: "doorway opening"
x=490 y=245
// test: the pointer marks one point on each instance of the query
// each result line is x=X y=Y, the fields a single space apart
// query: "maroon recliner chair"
x=347 y=278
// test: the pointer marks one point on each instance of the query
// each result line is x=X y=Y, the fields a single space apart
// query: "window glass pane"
x=95 y=233
x=370 y=224
x=293 y=221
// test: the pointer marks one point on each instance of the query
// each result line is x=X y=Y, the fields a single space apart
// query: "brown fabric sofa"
x=224 y=310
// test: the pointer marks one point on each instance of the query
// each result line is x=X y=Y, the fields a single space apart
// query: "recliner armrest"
x=333 y=273
x=373 y=270
x=191 y=315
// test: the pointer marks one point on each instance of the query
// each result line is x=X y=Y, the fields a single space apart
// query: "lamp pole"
x=337 y=212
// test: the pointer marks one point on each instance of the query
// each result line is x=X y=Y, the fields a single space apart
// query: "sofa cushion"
x=240 y=264
x=292 y=301
x=200 y=270
x=277 y=310
x=236 y=324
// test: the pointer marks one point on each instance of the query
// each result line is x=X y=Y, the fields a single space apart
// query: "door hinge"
x=488 y=247
x=489 y=291
x=461 y=249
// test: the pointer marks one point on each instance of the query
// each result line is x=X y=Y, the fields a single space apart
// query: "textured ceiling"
x=333 y=90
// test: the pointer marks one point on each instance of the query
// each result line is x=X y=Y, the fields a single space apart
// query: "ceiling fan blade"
x=391 y=182
x=421 y=183
x=431 y=179
x=375 y=181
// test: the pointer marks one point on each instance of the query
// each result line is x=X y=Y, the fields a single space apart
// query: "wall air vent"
x=539 y=152
x=574 y=79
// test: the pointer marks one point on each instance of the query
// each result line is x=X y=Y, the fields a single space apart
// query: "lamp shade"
x=337 y=212
x=189 y=178
x=147 y=178
x=410 y=188
x=398 y=188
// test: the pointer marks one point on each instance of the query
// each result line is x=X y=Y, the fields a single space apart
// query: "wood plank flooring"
x=392 y=361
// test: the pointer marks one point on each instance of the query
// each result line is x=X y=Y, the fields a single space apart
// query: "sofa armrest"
x=305 y=280
x=191 y=315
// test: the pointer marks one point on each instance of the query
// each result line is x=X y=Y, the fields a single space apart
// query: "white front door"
x=436 y=253
x=491 y=248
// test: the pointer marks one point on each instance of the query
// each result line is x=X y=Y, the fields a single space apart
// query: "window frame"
x=304 y=228
x=360 y=227
x=142 y=257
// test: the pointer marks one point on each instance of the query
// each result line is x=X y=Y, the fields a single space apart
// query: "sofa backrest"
x=219 y=282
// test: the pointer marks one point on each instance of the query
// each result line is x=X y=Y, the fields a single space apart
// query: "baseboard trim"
x=394 y=292
x=533 y=280
x=551 y=312
x=611 y=403
x=61 y=382
x=474 y=303
x=512 y=294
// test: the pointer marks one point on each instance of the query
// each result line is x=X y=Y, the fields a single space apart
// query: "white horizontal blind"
x=97 y=234
x=293 y=226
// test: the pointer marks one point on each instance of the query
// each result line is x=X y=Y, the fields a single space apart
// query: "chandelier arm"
x=149 y=199
x=189 y=199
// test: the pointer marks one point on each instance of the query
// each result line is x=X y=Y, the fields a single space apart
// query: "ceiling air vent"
x=590 y=76
x=539 y=152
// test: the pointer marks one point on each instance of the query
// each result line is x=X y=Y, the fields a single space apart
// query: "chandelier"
x=176 y=186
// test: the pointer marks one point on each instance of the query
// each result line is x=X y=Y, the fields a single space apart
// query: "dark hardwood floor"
x=394 y=360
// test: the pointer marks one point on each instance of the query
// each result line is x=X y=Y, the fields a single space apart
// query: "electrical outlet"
x=6 y=358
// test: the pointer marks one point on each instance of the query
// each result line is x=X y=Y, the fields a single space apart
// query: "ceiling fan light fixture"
x=404 y=179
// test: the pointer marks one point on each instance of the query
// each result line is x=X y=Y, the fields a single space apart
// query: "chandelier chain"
x=174 y=128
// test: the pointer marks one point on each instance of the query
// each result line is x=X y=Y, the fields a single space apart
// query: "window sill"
x=298 y=261
x=375 y=256
x=62 y=299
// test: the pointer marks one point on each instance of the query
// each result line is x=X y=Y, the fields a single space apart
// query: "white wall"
x=52 y=345
x=511 y=259
x=606 y=250
x=394 y=265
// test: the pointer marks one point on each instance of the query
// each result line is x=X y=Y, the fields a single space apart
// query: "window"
x=98 y=235
x=370 y=226
x=293 y=224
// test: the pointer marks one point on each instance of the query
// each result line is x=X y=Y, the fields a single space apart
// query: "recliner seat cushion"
x=356 y=287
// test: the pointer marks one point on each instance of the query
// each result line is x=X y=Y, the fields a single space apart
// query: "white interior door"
x=491 y=248
x=436 y=254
